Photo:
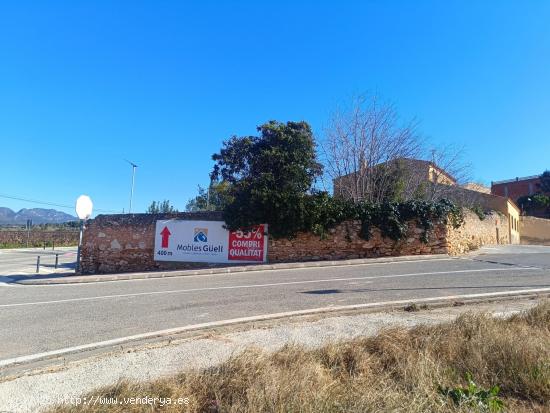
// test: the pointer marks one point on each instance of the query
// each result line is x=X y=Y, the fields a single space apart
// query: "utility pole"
x=29 y=225
x=134 y=166
x=208 y=197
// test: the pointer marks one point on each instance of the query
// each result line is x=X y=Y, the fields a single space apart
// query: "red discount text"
x=247 y=245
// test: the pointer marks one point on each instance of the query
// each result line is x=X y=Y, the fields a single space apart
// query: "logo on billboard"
x=201 y=235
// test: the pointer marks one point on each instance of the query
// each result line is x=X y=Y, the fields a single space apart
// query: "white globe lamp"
x=84 y=207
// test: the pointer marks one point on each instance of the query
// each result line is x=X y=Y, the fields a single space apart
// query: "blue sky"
x=84 y=85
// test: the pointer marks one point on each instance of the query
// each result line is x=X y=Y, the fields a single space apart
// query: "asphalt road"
x=38 y=319
x=23 y=261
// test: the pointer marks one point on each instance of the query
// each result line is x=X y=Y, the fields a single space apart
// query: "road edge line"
x=97 y=278
x=263 y=317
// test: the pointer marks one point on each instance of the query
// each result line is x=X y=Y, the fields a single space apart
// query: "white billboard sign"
x=208 y=241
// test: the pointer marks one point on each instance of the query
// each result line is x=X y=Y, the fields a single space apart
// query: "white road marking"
x=236 y=287
x=178 y=330
x=226 y=273
x=168 y=275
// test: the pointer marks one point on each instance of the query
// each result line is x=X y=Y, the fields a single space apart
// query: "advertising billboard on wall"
x=208 y=241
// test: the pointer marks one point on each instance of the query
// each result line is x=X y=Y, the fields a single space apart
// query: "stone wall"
x=492 y=230
x=125 y=243
x=534 y=230
x=487 y=202
x=344 y=242
x=18 y=238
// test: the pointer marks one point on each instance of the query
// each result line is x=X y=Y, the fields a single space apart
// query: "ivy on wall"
x=392 y=218
x=319 y=212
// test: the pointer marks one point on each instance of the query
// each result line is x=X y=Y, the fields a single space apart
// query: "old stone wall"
x=534 y=230
x=344 y=242
x=36 y=238
x=125 y=243
x=489 y=202
x=492 y=230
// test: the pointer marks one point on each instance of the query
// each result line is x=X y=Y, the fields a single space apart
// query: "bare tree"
x=363 y=148
x=372 y=155
x=449 y=171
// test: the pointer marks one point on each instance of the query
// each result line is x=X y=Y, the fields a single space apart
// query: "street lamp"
x=523 y=205
x=134 y=166
x=84 y=207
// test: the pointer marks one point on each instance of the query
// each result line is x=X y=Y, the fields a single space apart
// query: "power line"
x=34 y=201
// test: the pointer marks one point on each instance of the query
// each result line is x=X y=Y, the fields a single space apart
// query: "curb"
x=441 y=301
x=81 y=279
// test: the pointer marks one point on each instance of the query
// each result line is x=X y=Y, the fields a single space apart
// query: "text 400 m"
x=164 y=252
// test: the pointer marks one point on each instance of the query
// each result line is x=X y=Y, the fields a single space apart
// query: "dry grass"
x=396 y=371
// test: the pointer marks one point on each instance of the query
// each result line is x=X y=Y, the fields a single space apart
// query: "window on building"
x=531 y=189
x=505 y=190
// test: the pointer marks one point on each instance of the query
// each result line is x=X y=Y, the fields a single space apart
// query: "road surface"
x=38 y=319
x=22 y=261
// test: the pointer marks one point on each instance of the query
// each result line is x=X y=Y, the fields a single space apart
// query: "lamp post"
x=84 y=207
x=523 y=206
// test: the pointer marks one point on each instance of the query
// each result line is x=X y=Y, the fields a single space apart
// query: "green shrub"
x=530 y=203
x=475 y=397
x=479 y=211
x=319 y=212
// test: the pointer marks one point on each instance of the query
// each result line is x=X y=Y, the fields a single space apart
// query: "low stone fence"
x=125 y=243
x=534 y=231
x=35 y=238
x=344 y=242
x=492 y=230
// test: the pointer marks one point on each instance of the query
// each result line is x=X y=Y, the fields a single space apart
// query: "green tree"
x=212 y=199
x=544 y=184
x=535 y=204
x=159 y=207
x=269 y=176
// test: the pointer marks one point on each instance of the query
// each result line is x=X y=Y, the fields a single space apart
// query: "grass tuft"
x=474 y=364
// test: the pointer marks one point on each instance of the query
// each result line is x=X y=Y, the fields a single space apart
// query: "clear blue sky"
x=84 y=85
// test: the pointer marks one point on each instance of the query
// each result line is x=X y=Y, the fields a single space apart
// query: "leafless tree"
x=362 y=149
x=450 y=170
x=371 y=155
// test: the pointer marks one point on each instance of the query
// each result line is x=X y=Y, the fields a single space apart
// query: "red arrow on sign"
x=165 y=235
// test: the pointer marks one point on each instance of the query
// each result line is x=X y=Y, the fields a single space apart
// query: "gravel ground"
x=39 y=389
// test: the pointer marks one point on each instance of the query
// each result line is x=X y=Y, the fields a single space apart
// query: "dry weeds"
x=397 y=371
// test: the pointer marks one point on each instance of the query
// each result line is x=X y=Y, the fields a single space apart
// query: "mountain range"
x=38 y=216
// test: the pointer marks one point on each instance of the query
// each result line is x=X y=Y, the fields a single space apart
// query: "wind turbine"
x=134 y=166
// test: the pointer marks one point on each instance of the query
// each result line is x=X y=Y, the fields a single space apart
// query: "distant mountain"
x=38 y=216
